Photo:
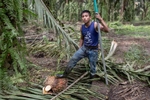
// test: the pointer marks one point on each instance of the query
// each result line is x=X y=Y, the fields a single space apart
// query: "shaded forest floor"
x=125 y=42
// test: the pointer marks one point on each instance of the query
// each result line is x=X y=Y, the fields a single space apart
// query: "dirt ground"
x=135 y=91
x=126 y=42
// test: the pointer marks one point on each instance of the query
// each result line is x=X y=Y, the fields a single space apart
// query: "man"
x=88 y=43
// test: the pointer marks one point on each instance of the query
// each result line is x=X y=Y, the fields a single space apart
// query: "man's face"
x=86 y=17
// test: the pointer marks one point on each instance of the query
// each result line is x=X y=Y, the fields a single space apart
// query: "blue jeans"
x=91 y=54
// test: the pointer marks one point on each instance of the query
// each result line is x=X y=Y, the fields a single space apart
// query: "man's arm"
x=81 y=40
x=103 y=25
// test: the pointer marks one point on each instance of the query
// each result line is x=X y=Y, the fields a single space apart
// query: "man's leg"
x=93 y=57
x=78 y=55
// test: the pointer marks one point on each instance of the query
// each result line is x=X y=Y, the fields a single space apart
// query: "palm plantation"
x=60 y=18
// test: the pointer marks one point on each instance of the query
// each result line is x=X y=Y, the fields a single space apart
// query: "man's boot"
x=65 y=74
x=91 y=77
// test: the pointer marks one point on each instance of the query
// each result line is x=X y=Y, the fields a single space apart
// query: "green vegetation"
x=137 y=55
x=53 y=15
x=130 y=29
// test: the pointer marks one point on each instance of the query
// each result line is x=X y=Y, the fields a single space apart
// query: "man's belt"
x=91 y=47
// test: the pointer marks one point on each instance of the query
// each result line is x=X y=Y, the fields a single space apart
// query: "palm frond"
x=45 y=15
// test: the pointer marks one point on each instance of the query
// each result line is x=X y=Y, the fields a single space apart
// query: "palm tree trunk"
x=67 y=1
x=122 y=10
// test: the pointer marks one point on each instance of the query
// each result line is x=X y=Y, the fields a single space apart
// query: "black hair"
x=86 y=11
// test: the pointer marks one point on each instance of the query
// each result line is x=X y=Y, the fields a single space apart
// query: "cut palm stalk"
x=47 y=88
x=112 y=49
x=69 y=86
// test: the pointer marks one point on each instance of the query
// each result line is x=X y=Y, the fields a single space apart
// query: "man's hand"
x=98 y=16
x=104 y=26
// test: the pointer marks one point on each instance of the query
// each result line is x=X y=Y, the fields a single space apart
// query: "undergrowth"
x=130 y=30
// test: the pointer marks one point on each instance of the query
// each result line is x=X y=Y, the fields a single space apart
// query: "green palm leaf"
x=45 y=15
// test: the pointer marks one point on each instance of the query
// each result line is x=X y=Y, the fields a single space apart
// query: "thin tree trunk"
x=145 y=8
x=122 y=10
x=67 y=1
x=113 y=16
x=109 y=11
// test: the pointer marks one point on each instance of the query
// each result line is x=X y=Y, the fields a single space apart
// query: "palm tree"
x=11 y=50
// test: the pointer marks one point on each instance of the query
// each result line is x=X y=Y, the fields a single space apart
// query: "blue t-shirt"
x=90 y=35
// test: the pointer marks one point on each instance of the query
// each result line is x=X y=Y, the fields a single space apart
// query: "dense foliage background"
x=53 y=14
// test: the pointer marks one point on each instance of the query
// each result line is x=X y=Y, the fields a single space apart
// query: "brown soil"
x=122 y=91
x=125 y=43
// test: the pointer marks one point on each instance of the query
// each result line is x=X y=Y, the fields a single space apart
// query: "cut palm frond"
x=45 y=15
x=73 y=92
x=112 y=49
